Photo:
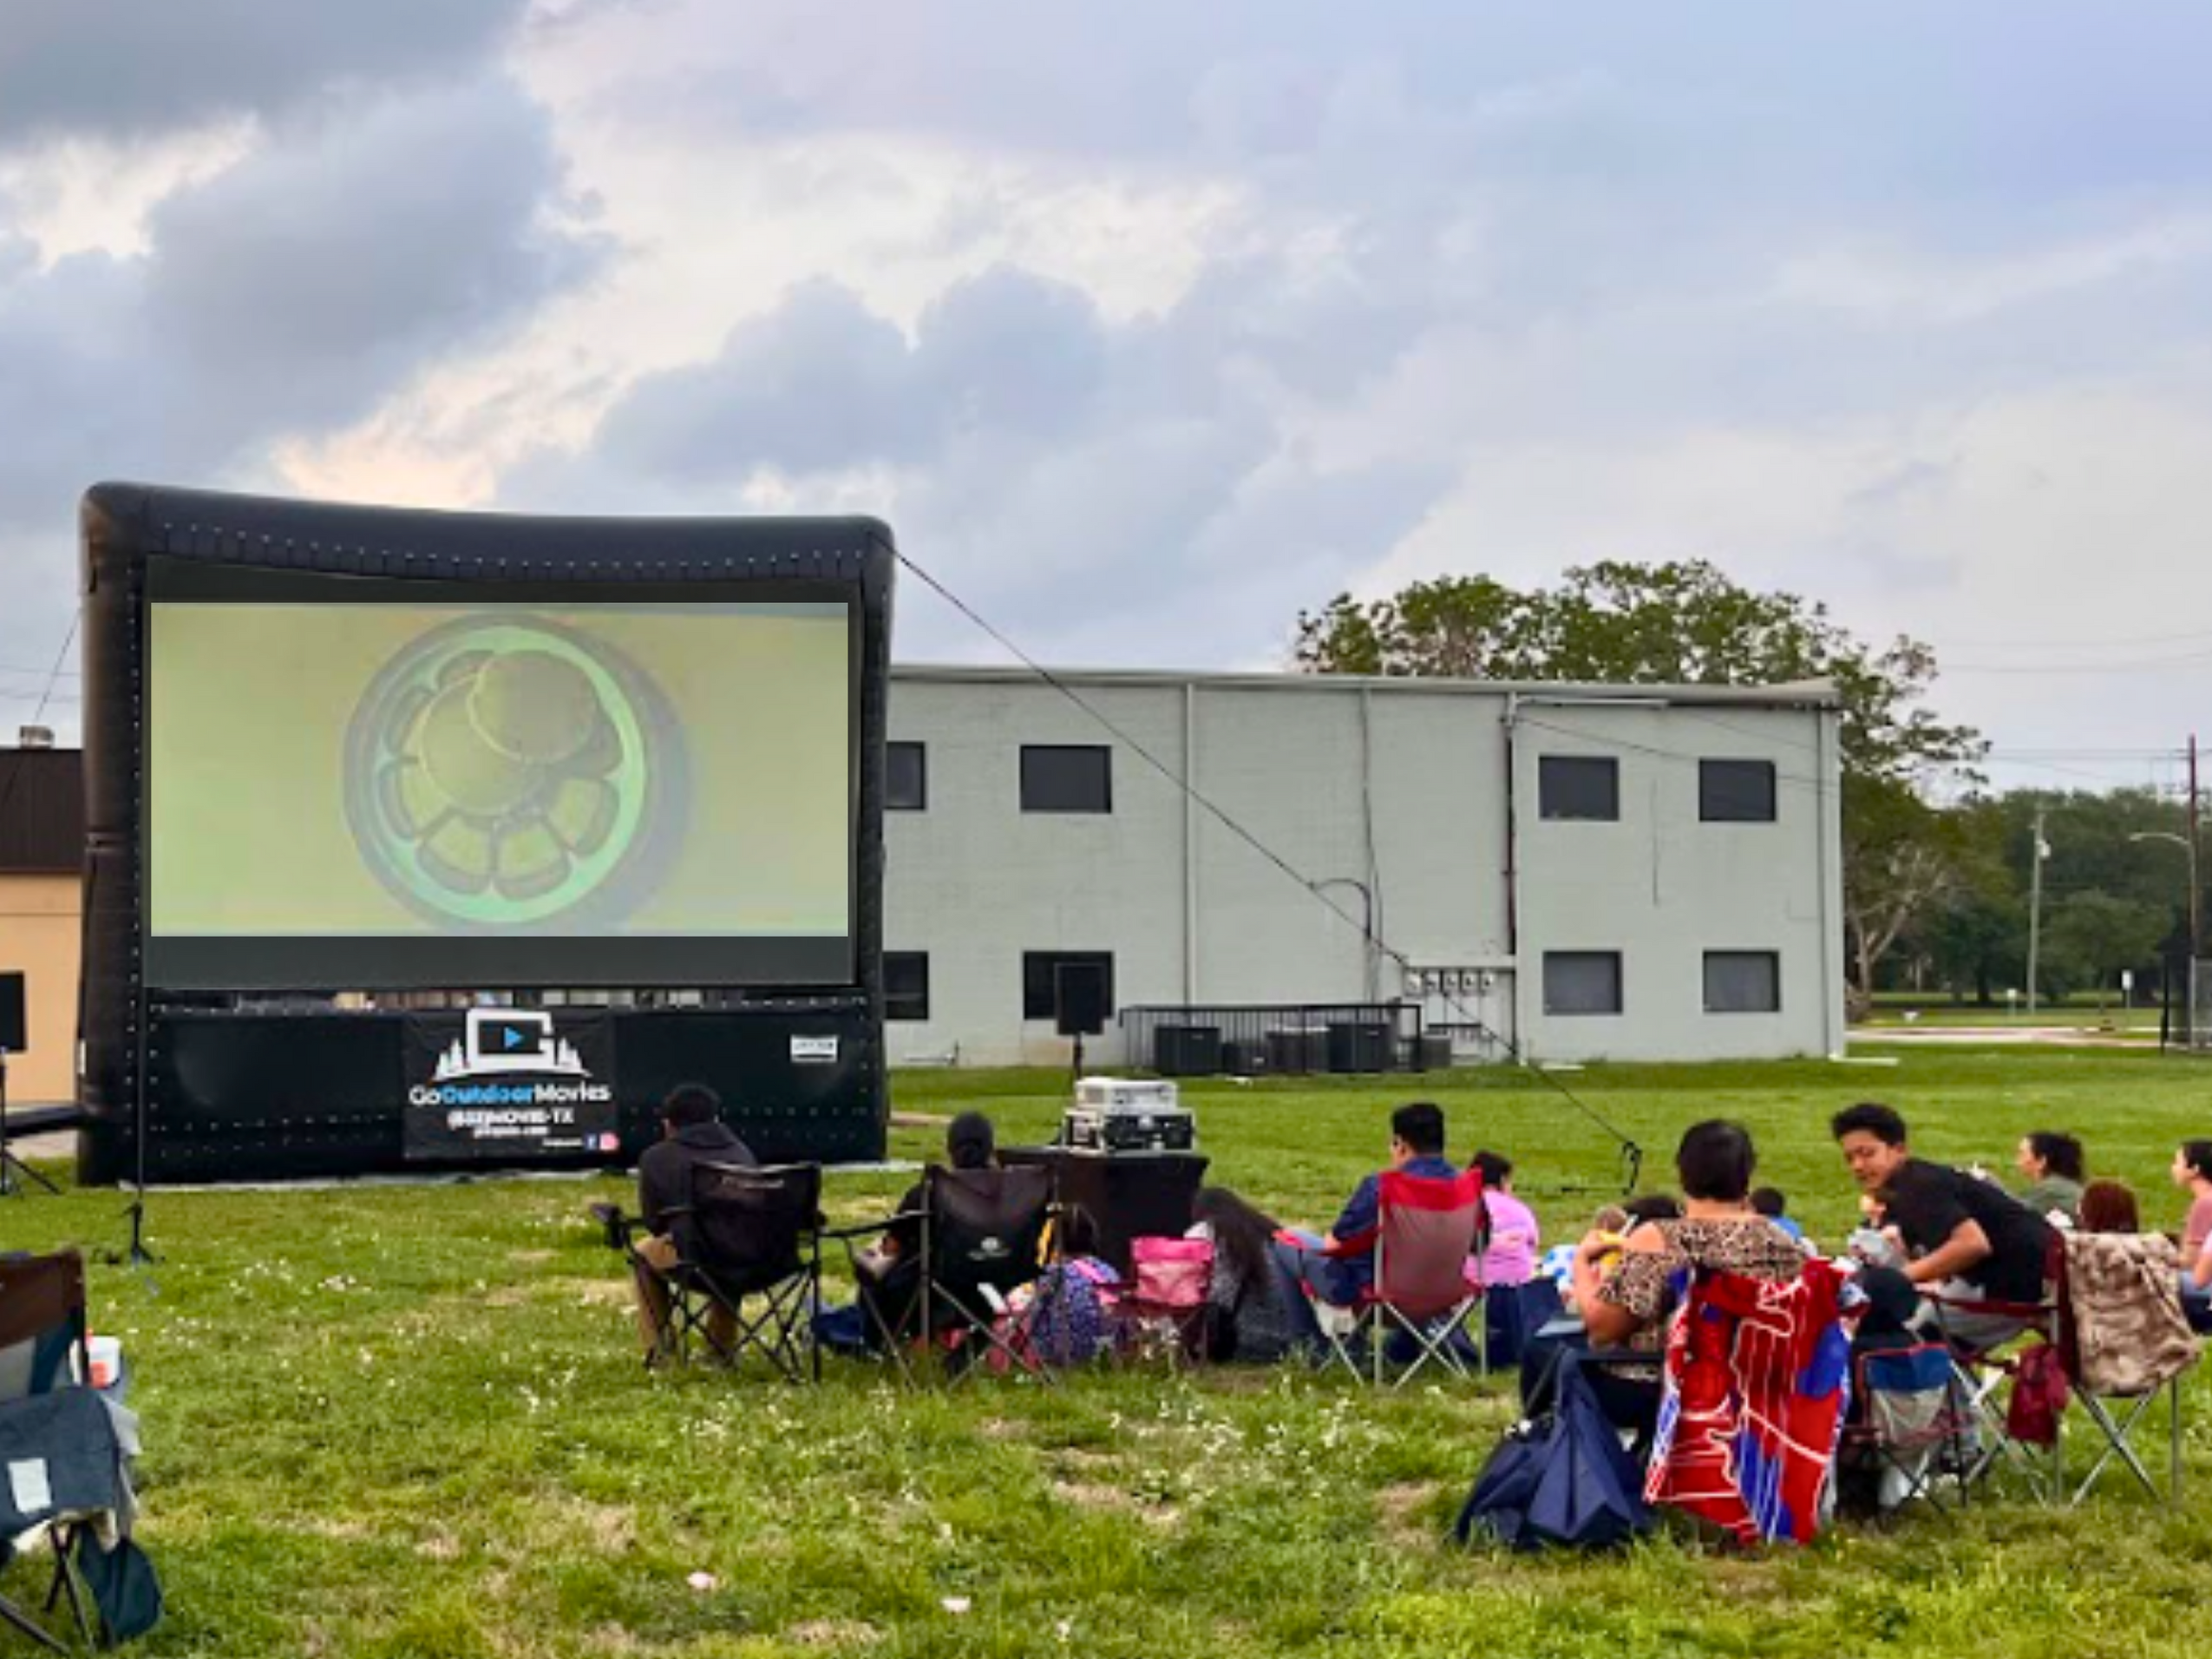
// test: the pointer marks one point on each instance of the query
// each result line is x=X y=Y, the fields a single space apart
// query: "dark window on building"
x=1736 y=791
x=1743 y=981
x=1067 y=778
x=1582 y=981
x=1584 y=787
x=1041 y=979
x=905 y=985
x=905 y=778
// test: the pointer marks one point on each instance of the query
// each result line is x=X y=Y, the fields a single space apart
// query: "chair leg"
x=2174 y=1437
x=814 y=1306
x=2117 y=1444
x=65 y=1580
x=14 y=1618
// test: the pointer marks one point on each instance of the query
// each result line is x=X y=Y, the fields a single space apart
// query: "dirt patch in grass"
x=833 y=1633
x=1399 y=1515
x=1091 y=1495
x=324 y=1526
x=611 y=1528
x=1746 y=1579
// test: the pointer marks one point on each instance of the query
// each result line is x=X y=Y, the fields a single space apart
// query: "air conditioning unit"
x=35 y=737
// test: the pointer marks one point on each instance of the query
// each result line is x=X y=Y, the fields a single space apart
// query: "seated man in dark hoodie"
x=692 y=1133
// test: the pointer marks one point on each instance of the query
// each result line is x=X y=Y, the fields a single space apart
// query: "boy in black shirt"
x=1966 y=1240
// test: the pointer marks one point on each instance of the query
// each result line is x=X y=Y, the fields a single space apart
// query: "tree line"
x=1936 y=894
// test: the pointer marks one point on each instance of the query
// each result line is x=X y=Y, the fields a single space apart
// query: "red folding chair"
x=1427 y=1231
x=1990 y=1379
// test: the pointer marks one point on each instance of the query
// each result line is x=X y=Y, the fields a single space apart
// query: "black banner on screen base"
x=511 y=1085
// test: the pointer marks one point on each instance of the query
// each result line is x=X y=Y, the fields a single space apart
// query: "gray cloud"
x=299 y=289
x=132 y=69
x=1080 y=479
x=817 y=383
x=285 y=297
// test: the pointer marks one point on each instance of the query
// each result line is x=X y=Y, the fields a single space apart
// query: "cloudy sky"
x=1147 y=324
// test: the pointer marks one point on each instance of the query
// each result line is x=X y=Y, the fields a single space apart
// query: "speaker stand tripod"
x=14 y=1172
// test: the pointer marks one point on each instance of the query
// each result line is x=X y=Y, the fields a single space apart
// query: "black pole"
x=138 y=1256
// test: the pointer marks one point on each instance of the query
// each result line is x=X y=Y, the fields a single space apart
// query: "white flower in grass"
x=956 y=1603
x=703 y=1582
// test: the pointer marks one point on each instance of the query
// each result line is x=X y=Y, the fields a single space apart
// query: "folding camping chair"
x=749 y=1251
x=2094 y=1280
x=43 y=1352
x=1988 y=1377
x=1427 y=1231
x=1165 y=1307
x=2125 y=1343
x=1908 y=1409
x=980 y=1236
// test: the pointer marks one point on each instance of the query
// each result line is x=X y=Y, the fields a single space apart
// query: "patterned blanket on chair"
x=1757 y=1376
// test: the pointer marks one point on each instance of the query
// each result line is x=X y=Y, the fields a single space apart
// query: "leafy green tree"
x=2096 y=935
x=1687 y=623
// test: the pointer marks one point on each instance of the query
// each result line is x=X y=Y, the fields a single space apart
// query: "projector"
x=1127 y=1115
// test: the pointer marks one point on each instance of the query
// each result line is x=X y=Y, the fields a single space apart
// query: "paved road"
x=2056 y=1036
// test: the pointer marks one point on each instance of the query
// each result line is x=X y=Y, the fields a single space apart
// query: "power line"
x=2115 y=643
x=1631 y=1153
x=2134 y=665
x=15 y=778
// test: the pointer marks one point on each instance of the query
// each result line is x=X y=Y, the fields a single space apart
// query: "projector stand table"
x=13 y=1171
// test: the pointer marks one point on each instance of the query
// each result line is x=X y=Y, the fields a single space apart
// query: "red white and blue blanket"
x=1758 y=1377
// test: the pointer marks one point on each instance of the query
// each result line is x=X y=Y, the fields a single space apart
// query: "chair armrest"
x=614 y=1226
x=870 y=1228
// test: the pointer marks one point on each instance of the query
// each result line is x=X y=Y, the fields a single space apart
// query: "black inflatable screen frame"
x=131 y=532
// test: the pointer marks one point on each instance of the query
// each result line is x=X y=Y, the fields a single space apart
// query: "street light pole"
x=2187 y=844
x=2195 y=887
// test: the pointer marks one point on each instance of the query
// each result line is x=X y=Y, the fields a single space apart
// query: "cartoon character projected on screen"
x=501 y=771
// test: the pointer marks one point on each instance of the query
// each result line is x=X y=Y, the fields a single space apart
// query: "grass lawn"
x=408 y=1421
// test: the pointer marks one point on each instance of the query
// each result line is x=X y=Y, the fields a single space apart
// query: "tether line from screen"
x=45 y=697
x=1631 y=1154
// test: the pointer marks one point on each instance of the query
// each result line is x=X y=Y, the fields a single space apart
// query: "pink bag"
x=1172 y=1272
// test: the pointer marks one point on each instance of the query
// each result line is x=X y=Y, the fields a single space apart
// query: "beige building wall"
x=38 y=937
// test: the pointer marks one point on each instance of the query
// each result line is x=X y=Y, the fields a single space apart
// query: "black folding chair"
x=749 y=1247
x=980 y=1236
x=43 y=1350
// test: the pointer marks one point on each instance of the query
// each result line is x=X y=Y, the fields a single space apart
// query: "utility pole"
x=2037 y=852
x=2195 y=902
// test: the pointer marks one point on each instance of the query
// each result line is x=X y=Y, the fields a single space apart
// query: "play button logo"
x=501 y=1042
x=514 y=1037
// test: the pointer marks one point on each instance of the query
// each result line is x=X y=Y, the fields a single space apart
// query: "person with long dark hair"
x=2056 y=1169
x=1255 y=1313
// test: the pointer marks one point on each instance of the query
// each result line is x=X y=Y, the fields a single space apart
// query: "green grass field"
x=408 y=1420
